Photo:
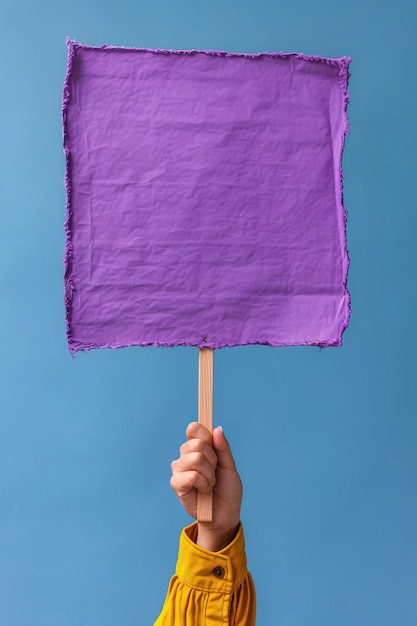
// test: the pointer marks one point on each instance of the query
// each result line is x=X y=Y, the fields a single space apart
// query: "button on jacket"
x=209 y=588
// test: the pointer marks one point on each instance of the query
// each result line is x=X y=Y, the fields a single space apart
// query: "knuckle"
x=198 y=458
x=195 y=445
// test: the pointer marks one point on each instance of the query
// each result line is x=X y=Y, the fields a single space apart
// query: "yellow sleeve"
x=209 y=588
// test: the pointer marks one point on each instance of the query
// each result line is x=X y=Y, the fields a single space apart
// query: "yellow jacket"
x=209 y=588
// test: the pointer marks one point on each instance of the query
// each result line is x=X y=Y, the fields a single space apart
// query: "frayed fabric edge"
x=68 y=252
x=342 y=61
x=344 y=75
x=83 y=346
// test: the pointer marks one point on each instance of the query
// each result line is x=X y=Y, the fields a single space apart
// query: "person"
x=211 y=585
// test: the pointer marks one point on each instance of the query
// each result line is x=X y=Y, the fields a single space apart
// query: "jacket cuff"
x=211 y=571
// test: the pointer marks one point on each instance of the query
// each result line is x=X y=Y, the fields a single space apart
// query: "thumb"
x=222 y=450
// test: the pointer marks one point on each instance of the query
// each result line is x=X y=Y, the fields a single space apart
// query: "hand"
x=206 y=462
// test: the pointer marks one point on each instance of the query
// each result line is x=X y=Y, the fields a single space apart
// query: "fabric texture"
x=204 y=198
x=209 y=588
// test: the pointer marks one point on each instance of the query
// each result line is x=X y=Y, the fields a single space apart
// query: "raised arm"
x=211 y=585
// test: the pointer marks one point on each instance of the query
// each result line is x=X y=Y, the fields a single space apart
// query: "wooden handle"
x=205 y=417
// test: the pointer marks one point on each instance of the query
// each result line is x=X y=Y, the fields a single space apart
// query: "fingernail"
x=220 y=428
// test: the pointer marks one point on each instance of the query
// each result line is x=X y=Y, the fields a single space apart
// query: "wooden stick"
x=205 y=417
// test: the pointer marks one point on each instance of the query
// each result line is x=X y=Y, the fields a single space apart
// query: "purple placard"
x=204 y=198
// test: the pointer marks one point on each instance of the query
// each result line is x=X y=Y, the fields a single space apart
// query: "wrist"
x=215 y=539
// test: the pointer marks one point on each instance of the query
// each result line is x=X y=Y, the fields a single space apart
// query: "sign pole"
x=205 y=417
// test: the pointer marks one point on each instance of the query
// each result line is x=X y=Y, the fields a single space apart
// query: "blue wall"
x=325 y=440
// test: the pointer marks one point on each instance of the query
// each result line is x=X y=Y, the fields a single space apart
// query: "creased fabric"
x=204 y=198
x=209 y=588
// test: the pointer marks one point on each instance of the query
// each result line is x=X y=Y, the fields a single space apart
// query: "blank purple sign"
x=204 y=198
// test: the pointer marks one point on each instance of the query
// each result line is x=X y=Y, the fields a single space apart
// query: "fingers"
x=195 y=462
x=198 y=446
x=196 y=466
x=199 y=457
x=185 y=482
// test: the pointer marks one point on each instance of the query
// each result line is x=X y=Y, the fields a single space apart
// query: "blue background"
x=325 y=440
